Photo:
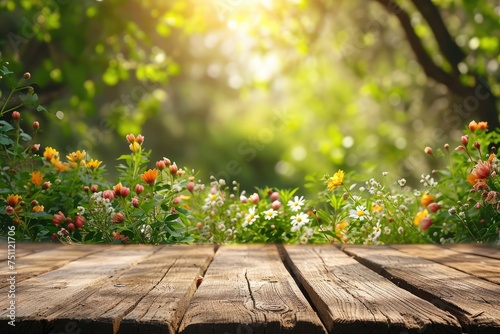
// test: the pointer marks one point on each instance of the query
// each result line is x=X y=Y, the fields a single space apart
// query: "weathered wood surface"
x=473 y=300
x=247 y=289
x=480 y=266
x=253 y=289
x=351 y=298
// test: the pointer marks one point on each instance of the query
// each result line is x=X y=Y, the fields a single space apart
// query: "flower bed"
x=46 y=196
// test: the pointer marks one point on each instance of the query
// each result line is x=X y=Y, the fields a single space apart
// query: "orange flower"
x=50 y=154
x=482 y=125
x=61 y=167
x=13 y=200
x=38 y=208
x=150 y=176
x=472 y=179
x=426 y=199
x=93 y=164
x=491 y=157
x=36 y=178
x=473 y=126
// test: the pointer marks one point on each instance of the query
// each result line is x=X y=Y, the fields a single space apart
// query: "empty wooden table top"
x=250 y=289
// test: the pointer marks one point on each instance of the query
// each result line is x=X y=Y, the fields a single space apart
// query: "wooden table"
x=251 y=289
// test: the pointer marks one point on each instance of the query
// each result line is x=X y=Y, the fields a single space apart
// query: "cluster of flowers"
x=71 y=201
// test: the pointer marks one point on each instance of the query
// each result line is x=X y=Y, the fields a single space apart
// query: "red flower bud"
x=94 y=188
x=130 y=138
x=46 y=185
x=79 y=221
x=139 y=139
x=465 y=140
x=428 y=150
x=190 y=186
x=139 y=189
x=124 y=192
x=71 y=227
x=109 y=194
x=173 y=169
x=161 y=165
x=36 y=125
x=433 y=207
x=275 y=196
x=118 y=218
x=16 y=115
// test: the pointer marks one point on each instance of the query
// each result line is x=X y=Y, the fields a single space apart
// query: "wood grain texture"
x=41 y=297
x=45 y=259
x=170 y=279
x=484 y=267
x=247 y=289
x=351 y=298
x=478 y=249
x=472 y=300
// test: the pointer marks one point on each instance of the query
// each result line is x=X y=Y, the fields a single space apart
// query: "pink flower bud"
x=139 y=139
x=276 y=205
x=254 y=198
x=79 y=221
x=190 y=186
x=46 y=185
x=477 y=145
x=433 y=207
x=16 y=115
x=94 y=188
x=10 y=210
x=447 y=146
x=243 y=199
x=428 y=150
x=118 y=218
x=124 y=192
x=465 y=140
x=108 y=194
x=135 y=202
x=35 y=148
x=138 y=189
x=274 y=196
x=167 y=161
x=130 y=138
x=425 y=223
x=71 y=227
x=173 y=169
x=161 y=165
x=36 y=125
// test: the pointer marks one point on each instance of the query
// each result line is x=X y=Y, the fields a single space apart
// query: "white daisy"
x=250 y=217
x=270 y=214
x=296 y=204
x=300 y=220
x=360 y=213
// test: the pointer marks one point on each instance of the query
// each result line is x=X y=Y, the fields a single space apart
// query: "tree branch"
x=448 y=47
x=430 y=68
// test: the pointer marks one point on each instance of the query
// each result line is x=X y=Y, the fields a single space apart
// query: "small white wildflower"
x=402 y=182
x=296 y=204
x=361 y=189
x=377 y=231
x=270 y=214
x=400 y=230
x=360 y=213
x=385 y=173
x=300 y=219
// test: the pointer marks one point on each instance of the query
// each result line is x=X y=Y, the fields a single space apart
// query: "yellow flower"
x=50 y=154
x=150 y=176
x=135 y=146
x=377 y=208
x=75 y=157
x=36 y=178
x=336 y=180
x=38 y=208
x=93 y=164
x=419 y=216
x=13 y=200
x=426 y=199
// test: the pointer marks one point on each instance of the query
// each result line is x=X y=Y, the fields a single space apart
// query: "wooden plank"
x=484 y=267
x=22 y=249
x=472 y=300
x=39 y=297
x=478 y=249
x=351 y=298
x=45 y=259
x=166 y=302
x=247 y=289
x=150 y=297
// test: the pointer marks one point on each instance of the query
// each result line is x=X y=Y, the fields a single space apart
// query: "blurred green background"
x=262 y=92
